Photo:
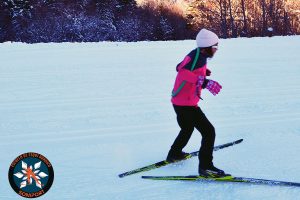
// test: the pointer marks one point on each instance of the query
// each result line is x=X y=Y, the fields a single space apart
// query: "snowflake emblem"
x=29 y=174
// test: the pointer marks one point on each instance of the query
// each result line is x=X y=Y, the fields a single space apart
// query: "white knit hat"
x=206 y=38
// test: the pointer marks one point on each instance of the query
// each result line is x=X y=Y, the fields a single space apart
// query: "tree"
x=125 y=20
x=245 y=23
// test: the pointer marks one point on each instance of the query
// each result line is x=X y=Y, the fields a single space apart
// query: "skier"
x=190 y=80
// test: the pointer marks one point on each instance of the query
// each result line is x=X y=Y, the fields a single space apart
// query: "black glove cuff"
x=205 y=83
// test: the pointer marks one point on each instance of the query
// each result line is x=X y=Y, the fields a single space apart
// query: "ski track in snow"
x=96 y=110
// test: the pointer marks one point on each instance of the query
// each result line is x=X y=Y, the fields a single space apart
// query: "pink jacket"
x=188 y=94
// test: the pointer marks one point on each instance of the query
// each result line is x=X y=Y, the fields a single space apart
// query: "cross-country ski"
x=225 y=179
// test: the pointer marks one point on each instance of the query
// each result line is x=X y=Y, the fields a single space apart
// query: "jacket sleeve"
x=185 y=61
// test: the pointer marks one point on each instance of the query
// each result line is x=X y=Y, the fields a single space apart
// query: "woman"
x=190 y=81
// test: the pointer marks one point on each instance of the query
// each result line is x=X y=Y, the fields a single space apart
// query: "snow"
x=96 y=110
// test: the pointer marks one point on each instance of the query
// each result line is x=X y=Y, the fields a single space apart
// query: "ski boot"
x=176 y=156
x=212 y=172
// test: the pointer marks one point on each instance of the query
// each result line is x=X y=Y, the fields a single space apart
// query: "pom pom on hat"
x=206 y=38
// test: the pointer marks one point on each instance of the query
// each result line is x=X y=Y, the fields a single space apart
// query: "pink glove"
x=213 y=86
x=199 y=85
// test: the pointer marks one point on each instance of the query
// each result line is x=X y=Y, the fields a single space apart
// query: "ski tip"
x=239 y=141
x=121 y=175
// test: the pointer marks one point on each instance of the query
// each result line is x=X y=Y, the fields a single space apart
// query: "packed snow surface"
x=96 y=110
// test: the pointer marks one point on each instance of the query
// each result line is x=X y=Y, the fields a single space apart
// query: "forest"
x=35 y=21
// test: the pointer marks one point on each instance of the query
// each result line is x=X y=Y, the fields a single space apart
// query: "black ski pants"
x=188 y=118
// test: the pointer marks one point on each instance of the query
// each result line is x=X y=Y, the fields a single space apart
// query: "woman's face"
x=210 y=51
x=214 y=48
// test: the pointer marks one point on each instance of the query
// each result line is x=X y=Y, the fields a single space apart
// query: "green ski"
x=224 y=179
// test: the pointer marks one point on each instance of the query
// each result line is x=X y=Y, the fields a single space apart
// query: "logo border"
x=45 y=189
